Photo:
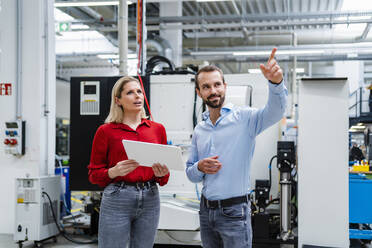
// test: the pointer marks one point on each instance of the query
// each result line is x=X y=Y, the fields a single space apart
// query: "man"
x=222 y=149
x=356 y=153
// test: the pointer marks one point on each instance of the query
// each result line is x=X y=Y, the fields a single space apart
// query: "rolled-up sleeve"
x=192 y=171
x=98 y=167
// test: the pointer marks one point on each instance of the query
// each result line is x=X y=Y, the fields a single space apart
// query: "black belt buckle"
x=211 y=204
x=140 y=185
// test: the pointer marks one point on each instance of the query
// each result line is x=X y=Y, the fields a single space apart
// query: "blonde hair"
x=117 y=111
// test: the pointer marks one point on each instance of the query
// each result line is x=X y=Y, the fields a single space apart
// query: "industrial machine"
x=360 y=215
x=274 y=226
x=37 y=209
x=90 y=103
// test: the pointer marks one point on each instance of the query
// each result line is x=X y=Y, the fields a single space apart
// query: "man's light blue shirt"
x=232 y=139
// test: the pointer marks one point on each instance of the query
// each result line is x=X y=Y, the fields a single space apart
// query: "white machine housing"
x=33 y=216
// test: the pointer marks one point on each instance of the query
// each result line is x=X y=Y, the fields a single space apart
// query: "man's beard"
x=217 y=104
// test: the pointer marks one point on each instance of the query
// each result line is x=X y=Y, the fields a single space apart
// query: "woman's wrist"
x=111 y=173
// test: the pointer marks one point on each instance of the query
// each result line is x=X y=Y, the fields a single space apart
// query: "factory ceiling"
x=218 y=30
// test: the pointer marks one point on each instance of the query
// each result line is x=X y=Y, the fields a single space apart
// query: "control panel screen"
x=11 y=124
x=89 y=89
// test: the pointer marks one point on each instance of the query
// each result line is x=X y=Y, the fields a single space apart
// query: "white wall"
x=323 y=189
x=66 y=73
x=40 y=129
x=353 y=70
x=62 y=99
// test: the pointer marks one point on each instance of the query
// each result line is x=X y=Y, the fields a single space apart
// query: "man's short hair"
x=208 y=68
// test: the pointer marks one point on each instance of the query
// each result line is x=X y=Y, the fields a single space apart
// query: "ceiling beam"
x=236 y=9
x=217 y=8
x=260 y=7
x=262 y=17
x=251 y=8
x=238 y=22
x=365 y=33
x=187 y=9
x=92 y=13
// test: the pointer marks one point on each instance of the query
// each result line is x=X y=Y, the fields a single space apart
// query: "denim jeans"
x=228 y=227
x=128 y=215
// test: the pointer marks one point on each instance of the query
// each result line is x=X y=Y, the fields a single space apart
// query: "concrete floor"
x=6 y=241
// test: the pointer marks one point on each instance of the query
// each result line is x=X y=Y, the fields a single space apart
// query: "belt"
x=138 y=185
x=225 y=202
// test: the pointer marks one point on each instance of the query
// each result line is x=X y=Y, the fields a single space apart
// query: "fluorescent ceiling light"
x=365 y=51
x=279 y=52
x=352 y=55
x=116 y=56
x=254 y=70
x=79 y=26
x=357 y=5
x=299 y=70
x=91 y=3
x=108 y=56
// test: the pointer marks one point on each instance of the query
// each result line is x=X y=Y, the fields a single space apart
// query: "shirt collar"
x=225 y=109
x=126 y=127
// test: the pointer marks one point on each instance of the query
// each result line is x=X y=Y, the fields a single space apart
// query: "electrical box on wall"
x=15 y=137
x=89 y=97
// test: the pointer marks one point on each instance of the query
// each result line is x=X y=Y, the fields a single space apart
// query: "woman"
x=130 y=203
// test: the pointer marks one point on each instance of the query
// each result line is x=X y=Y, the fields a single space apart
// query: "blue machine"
x=360 y=205
x=65 y=185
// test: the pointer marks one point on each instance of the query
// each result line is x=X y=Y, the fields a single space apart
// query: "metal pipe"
x=19 y=61
x=46 y=80
x=161 y=46
x=294 y=79
x=91 y=12
x=268 y=20
x=144 y=38
x=364 y=34
x=46 y=60
x=285 y=204
x=141 y=43
x=256 y=25
x=123 y=37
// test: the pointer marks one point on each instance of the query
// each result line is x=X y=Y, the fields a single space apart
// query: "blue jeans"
x=128 y=215
x=228 y=227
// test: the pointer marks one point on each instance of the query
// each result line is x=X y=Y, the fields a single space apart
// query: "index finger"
x=272 y=55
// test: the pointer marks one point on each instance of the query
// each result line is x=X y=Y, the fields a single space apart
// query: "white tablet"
x=147 y=154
